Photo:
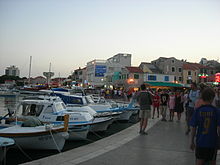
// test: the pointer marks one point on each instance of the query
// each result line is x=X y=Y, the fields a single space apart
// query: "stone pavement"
x=165 y=144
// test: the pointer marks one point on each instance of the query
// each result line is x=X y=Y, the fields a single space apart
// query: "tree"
x=15 y=78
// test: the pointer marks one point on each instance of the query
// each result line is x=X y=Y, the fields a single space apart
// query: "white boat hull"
x=41 y=137
x=44 y=142
x=125 y=115
x=101 y=124
x=78 y=135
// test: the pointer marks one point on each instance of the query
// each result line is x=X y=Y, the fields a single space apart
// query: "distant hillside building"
x=211 y=63
x=12 y=71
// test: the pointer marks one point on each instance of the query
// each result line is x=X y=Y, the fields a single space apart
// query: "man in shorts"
x=144 y=100
x=205 y=124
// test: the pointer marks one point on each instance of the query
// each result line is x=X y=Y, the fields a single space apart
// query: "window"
x=60 y=106
x=180 y=69
x=180 y=79
x=76 y=101
x=189 y=81
x=122 y=76
x=39 y=109
x=173 y=61
x=13 y=72
x=136 y=76
x=173 y=69
x=166 y=78
x=49 y=109
x=174 y=78
x=189 y=73
x=152 y=77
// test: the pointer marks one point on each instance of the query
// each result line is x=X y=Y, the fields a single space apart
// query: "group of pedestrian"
x=174 y=101
x=160 y=101
x=202 y=107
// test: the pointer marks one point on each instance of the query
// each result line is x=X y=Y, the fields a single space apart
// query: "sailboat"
x=31 y=89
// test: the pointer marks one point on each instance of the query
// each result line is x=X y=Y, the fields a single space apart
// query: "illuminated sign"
x=100 y=70
x=217 y=77
x=203 y=75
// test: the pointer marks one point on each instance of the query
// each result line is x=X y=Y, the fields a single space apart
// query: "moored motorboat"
x=100 y=123
x=51 y=109
x=31 y=134
x=120 y=111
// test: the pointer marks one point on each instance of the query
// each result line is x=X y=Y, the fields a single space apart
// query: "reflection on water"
x=8 y=103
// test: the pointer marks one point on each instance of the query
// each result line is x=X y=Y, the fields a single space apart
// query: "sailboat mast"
x=48 y=80
x=29 y=76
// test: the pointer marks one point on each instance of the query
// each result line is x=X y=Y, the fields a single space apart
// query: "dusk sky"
x=70 y=33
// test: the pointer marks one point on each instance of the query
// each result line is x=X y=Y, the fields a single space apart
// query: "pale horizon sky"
x=70 y=33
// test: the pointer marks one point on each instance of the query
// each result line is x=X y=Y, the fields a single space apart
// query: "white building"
x=12 y=71
x=96 y=71
x=115 y=65
x=100 y=72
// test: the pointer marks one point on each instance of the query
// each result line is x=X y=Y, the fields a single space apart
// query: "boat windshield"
x=77 y=91
x=60 y=106
x=31 y=109
x=89 y=100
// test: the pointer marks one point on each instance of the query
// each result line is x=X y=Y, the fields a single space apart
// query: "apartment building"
x=12 y=71
x=170 y=66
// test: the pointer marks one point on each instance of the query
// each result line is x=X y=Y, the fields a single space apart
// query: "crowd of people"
x=201 y=105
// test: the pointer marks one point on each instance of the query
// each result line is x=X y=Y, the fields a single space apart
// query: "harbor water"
x=17 y=155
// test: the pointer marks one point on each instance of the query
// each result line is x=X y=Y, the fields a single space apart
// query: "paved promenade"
x=165 y=144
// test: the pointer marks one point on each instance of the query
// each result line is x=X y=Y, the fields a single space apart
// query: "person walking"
x=185 y=103
x=164 y=97
x=179 y=105
x=205 y=125
x=144 y=100
x=193 y=96
x=156 y=104
x=171 y=105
